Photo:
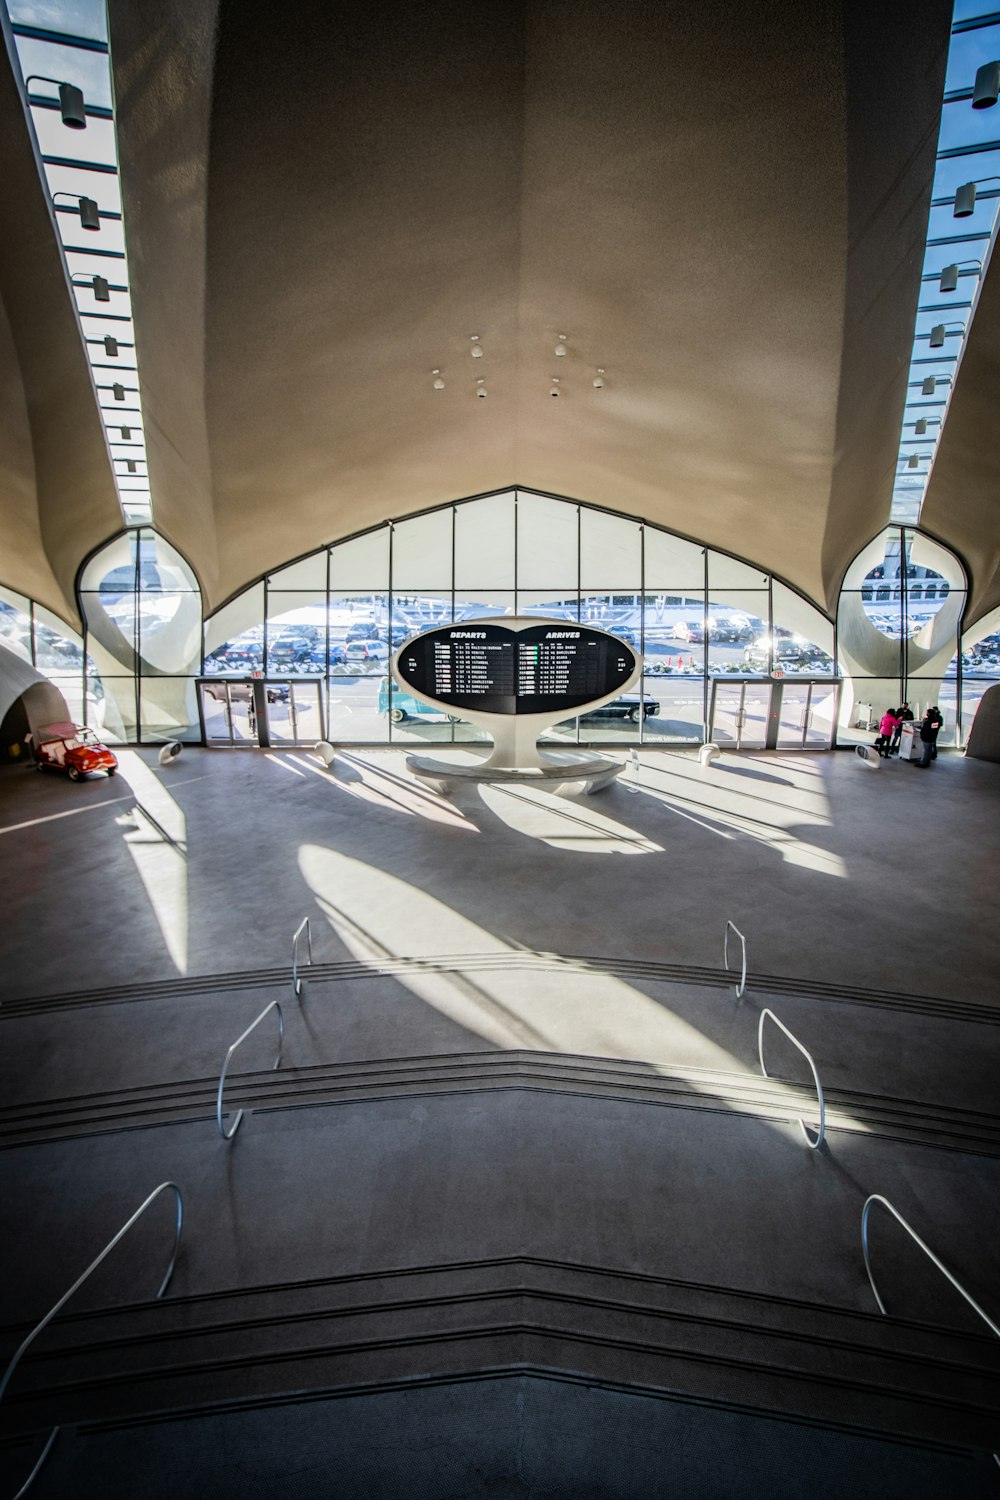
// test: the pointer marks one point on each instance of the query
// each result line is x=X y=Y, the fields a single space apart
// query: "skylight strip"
x=44 y=61
x=952 y=320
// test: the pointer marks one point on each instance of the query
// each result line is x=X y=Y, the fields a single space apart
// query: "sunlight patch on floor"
x=156 y=836
x=563 y=824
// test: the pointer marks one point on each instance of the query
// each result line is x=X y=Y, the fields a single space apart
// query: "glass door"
x=739 y=714
x=807 y=715
x=295 y=712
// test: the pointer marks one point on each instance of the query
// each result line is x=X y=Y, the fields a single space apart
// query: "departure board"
x=542 y=669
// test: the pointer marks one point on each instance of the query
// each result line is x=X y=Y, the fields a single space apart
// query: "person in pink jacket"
x=886 y=730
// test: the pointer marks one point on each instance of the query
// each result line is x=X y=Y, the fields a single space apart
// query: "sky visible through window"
x=956 y=255
x=66 y=42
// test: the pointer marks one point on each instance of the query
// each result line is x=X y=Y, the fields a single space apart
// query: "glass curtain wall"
x=142 y=608
x=976 y=667
x=695 y=613
x=39 y=637
x=898 y=633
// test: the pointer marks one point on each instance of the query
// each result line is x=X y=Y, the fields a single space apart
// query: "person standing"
x=929 y=727
x=905 y=716
x=889 y=726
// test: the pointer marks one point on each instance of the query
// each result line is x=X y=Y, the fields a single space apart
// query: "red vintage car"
x=66 y=747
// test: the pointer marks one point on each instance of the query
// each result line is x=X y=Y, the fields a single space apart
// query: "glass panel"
x=95 y=144
x=968 y=51
x=483 y=604
x=671 y=563
x=359 y=705
x=972 y=693
x=484 y=543
x=15 y=623
x=294 y=715
x=57 y=647
x=169 y=634
x=729 y=573
x=412 y=613
x=296 y=633
x=234 y=635
x=71 y=687
x=86 y=18
x=88 y=70
x=740 y=714
x=674 y=707
x=610 y=551
x=111 y=631
x=547 y=543
x=215 y=712
x=112 y=570
x=310 y=573
x=116 y=713
x=161 y=567
x=863 y=702
x=422 y=552
x=738 y=636
x=926 y=692
x=169 y=709
x=361 y=563
x=799 y=626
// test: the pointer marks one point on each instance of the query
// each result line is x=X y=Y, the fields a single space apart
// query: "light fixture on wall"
x=126 y=432
x=99 y=285
x=928 y=385
x=71 y=102
x=950 y=274
x=477 y=351
x=940 y=330
x=914 y=460
x=118 y=391
x=920 y=427
x=965 y=197
x=90 y=214
x=110 y=346
x=438 y=382
x=560 y=351
x=598 y=380
x=986 y=88
x=130 y=465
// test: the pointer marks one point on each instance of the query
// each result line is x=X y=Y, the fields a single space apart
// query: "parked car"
x=295 y=654
x=241 y=692
x=363 y=630
x=692 y=632
x=401 y=705
x=70 y=748
x=629 y=706
x=366 y=655
x=792 y=653
x=230 y=658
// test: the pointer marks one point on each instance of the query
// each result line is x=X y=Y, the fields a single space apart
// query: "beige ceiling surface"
x=715 y=203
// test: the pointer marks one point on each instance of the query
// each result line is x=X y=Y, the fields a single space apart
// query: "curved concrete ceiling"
x=724 y=207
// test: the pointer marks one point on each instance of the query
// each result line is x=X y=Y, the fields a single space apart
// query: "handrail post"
x=304 y=926
x=725 y=956
x=39 y=1327
x=227 y=1135
x=865 y=1212
x=814 y=1144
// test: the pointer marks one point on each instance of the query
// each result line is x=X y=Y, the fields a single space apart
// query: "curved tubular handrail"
x=304 y=926
x=227 y=1135
x=725 y=956
x=16 y=1360
x=878 y=1198
x=814 y=1139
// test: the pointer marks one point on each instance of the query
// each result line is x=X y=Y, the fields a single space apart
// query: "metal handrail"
x=227 y=1135
x=305 y=927
x=877 y=1198
x=15 y=1361
x=725 y=956
x=814 y=1144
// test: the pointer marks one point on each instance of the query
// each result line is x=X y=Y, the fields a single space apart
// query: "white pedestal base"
x=564 y=772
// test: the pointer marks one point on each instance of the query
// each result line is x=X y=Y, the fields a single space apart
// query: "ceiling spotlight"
x=126 y=432
x=477 y=351
x=560 y=350
x=920 y=427
x=481 y=386
x=937 y=335
x=130 y=465
x=598 y=380
x=555 y=386
x=111 y=347
x=71 y=105
x=913 y=460
x=949 y=278
x=986 y=89
x=438 y=382
x=90 y=214
x=929 y=386
x=118 y=391
x=99 y=285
